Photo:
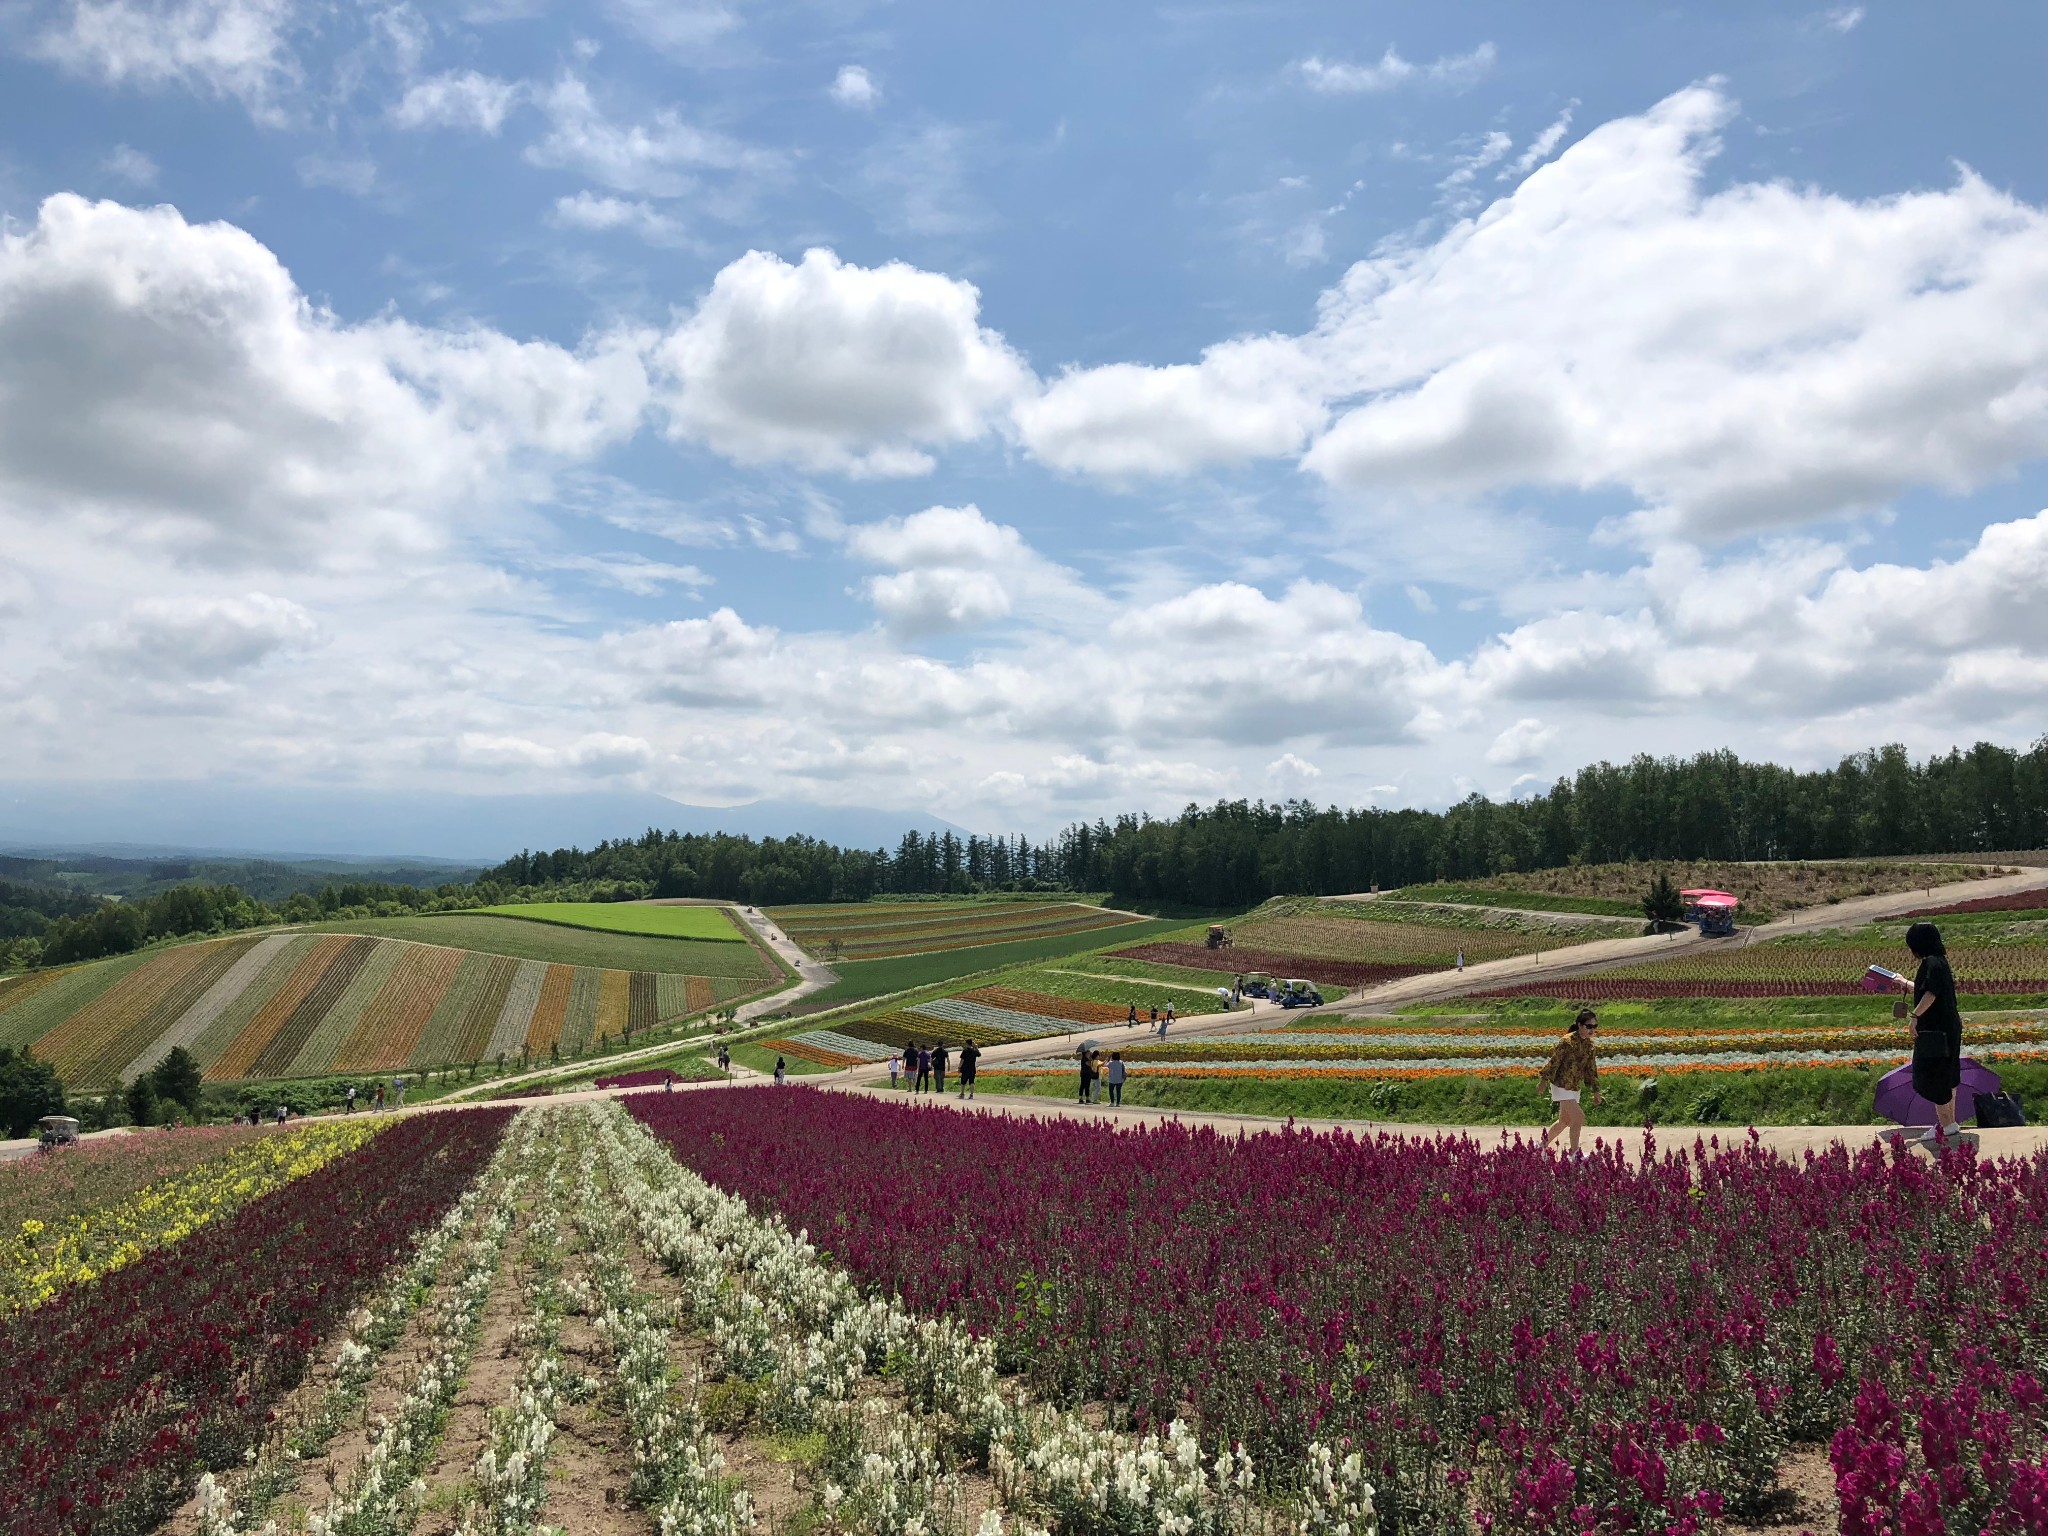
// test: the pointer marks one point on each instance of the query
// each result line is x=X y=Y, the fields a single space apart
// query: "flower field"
x=581 y=1335
x=301 y=1004
x=1504 y=1339
x=879 y=930
x=754 y=1311
x=106 y=1171
x=123 y=1389
x=2034 y=901
x=1798 y=969
x=45 y=1253
x=987 y=1016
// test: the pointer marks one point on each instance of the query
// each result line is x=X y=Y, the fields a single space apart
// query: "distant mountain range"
x=140 y=819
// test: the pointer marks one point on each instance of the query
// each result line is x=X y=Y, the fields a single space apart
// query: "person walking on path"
x=1169 y=1014
x=1132 y=1021
x=781 y=1071
x=1570 y=1072
x=1934 y=1025
x=924 y=1070
x=398 y=1090
x=970 y=1055
x=1461 y=962
x=1155 y=1015
x=940 y=1058
x=1087 y=1074
x=725 y=1059
x=1114 y=1073
x=668 y=1082
x=1162 y=1023
x=895 y=1068
x=351 y=1098
x=378 y=1105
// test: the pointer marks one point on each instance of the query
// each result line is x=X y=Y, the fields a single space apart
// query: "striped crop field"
x=303 y=1004
x=1797 y=968
x=884 y=930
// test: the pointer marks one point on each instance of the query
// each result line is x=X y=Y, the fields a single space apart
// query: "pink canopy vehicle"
x=1714 y=911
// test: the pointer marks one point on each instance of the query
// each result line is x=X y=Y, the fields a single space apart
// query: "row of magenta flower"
x=1623 y=1343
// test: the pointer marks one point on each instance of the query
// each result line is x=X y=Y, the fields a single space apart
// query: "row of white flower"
x=782 y=1317
x=510 y=1476
x=677 y=1470
x=383 y=1493
x=228 y=1507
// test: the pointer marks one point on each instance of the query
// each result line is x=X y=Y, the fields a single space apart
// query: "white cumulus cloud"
x=835 y=367
x=171 y=378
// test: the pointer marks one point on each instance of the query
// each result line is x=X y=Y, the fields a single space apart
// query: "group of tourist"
x=1095 y=1072
x=922 y=1068
x=1160 y=1023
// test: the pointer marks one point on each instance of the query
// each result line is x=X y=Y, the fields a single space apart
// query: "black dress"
x=1938 y=1047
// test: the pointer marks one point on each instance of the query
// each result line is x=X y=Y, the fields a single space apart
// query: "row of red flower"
x=1607 y=1345
x=122 y=1390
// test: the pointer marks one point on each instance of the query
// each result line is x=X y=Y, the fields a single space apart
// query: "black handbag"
x=1996 y=1111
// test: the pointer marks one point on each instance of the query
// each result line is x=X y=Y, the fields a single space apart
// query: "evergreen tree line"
x=777 y=870
x=1237 y=853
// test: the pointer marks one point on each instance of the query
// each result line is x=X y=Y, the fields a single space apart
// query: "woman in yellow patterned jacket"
x=1571 y=1071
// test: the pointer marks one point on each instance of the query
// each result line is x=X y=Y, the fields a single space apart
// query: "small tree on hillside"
x=1662 y=904
x=143 y=1108
x=29 y=1090
x=177 y=1079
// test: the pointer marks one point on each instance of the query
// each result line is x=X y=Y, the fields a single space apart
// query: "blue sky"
x=1013 y=413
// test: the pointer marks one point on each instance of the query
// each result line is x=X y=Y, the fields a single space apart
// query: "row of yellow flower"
x=44 y=1257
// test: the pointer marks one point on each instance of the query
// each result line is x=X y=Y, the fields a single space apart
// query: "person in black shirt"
x=970 y=1054
x=1935 y=1027
x=940 y=1058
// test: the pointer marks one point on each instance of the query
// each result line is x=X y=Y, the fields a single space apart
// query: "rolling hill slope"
x=299 y=1004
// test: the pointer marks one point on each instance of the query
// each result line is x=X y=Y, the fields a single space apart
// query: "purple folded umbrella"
x=1896 y=1099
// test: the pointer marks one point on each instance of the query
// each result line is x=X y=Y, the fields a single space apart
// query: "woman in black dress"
x=1935 y=1026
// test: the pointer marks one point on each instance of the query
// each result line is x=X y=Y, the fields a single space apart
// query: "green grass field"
x=710 y=924
x=560 y=944
x=860 y=979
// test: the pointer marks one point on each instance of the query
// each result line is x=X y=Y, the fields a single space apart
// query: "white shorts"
x=1563 y=1095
